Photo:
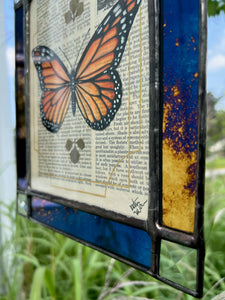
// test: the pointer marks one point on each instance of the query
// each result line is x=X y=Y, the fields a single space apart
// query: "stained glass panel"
x=115 y=129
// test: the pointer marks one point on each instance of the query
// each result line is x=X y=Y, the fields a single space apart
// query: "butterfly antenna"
x=81 y=47
x=66 y=57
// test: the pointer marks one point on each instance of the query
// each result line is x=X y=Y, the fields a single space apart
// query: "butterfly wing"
x=99 y=99
x=99 y=88
x=55 y=84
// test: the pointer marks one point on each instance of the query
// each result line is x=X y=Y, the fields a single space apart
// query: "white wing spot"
x=117 y=10
x=99 y=29
x=106 y=21
x=123 y=20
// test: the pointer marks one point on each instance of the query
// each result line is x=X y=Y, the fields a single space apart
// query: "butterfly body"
x=94 y=85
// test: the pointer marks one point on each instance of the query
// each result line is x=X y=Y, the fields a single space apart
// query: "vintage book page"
x=106 y=168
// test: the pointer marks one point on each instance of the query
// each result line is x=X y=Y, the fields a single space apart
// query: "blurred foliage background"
x=215 y=7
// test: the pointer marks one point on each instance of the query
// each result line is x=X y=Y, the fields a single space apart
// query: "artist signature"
x=137 y=206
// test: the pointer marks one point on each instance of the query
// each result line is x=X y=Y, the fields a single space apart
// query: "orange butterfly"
x=95 y=85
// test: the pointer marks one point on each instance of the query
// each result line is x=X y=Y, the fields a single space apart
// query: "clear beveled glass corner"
x=22 y=204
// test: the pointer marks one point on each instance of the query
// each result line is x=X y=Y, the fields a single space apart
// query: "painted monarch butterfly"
x=95 y=85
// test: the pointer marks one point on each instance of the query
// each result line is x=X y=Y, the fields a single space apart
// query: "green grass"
x=44 y=265
x=214 y=237
x=217 y=163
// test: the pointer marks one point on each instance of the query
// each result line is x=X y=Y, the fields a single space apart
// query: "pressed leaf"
x=73 y=5
x=74 y=155
x=68 y=17
x=80 y=9
x=81 y=144
x=69 y=145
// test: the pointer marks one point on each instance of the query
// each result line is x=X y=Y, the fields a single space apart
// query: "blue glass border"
x=123 y=240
